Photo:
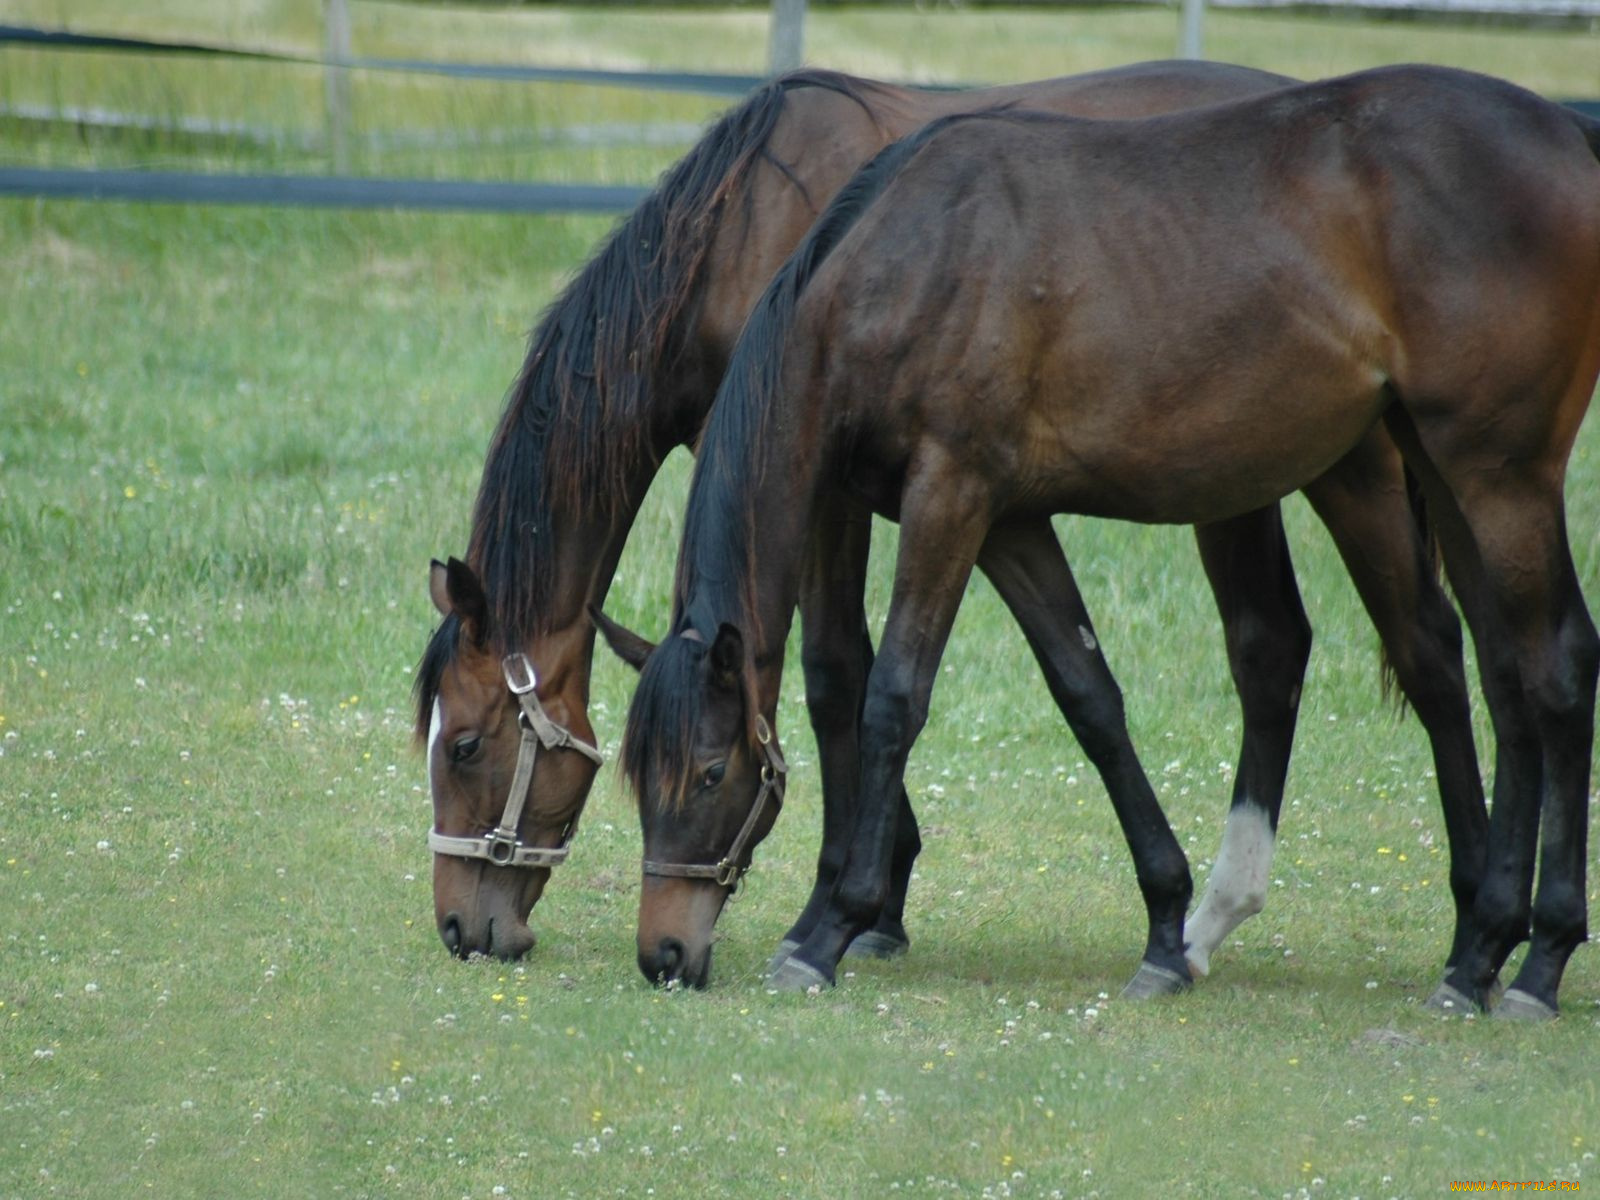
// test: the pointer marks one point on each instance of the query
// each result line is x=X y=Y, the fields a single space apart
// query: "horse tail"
x=1417 y=502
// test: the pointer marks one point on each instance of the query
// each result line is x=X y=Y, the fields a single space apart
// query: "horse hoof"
x=1517 y=1005
x=793 y=975
x=875 y=944
x=1450 y=1001
x=785 y=948
x=1199 y=960
x=1150 y=981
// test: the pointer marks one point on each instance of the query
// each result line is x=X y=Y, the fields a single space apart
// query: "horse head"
x=709 y=777
x=511 y=759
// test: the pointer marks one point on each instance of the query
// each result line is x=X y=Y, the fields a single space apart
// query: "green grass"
x=230 y=439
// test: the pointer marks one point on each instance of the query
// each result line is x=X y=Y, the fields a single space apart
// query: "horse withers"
x=964 y=343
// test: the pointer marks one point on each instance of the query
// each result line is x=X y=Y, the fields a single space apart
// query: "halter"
x=502 y=845
x=729 y=871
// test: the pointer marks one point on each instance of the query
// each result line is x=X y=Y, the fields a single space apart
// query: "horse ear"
x=727 y=657
x=437 y=591
x=455 y=589
x=627 y=645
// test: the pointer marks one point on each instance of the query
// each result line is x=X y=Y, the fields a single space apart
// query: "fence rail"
x=345 y=191
x=316 y=191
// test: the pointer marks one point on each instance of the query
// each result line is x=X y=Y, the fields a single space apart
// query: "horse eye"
x=466 y=748
x=714 y=774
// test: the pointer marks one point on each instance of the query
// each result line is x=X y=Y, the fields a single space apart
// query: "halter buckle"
x=520 y=676
x=728 y=874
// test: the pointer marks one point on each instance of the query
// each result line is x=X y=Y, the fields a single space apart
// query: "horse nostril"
x=450 y=932
x=664 y=963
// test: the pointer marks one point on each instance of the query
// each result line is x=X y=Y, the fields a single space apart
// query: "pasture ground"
x=230 y=440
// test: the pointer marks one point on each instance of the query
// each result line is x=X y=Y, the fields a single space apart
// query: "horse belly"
x=1242 y=437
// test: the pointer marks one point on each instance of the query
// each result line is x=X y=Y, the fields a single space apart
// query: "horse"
x=623 y=367
x=962 y=344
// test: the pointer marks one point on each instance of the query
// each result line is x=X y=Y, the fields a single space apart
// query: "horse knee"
x=834 y=686
x=890 y=722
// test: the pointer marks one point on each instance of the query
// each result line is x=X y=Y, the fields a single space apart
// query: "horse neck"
x=747 y=532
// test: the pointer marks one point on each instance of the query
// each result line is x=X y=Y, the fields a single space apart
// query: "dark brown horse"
x=964 y=343
x=624 y=366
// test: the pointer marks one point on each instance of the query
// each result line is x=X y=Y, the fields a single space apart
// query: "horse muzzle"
x=676 y=919
x=503 y=937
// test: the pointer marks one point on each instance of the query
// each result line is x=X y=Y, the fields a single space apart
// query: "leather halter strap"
x=730 y=869
x=502 y=845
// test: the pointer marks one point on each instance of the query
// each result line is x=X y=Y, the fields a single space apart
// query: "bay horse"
x=964 y=343
x=623 y=367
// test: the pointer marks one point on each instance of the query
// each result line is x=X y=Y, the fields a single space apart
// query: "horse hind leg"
x=1269 y=641
x=1026 y=566
x=1504 y=528
x=1363 y=502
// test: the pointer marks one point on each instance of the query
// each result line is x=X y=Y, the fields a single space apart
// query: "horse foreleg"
x=836 y=652
x=1026 y=566
x=944 y=518
x=1268 y=639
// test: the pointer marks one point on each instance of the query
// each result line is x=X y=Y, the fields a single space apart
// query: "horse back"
x=826 y=133
x=1251 y=272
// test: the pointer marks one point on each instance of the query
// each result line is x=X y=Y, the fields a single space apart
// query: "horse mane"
x=669 y=702
x=576 y=417
x=734 y=447
x=576 y=421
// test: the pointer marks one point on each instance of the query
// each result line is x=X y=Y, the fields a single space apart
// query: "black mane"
x=668 y=703
x=575 y=421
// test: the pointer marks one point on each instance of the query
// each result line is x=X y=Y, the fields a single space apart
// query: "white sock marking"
x=1238 y=885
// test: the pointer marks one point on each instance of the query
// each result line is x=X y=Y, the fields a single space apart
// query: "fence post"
x=1190 y=30
x=788 y=35
x=336 y=80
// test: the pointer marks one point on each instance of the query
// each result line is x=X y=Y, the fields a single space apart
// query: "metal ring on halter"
x=503 y=845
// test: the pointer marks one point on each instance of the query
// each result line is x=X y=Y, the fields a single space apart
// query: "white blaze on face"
x=1238 y=885
x=435 y=729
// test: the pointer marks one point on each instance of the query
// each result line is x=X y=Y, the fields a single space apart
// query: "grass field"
x=230 y=440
